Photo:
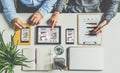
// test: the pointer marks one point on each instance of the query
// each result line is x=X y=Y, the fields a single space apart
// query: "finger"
x=34 y=22
x=99 y=31
x=32 y=18
x=53 y=24
x=17 y=25
x=21 y=24
x=100 y=26
x=37 y=21
x=96 y=29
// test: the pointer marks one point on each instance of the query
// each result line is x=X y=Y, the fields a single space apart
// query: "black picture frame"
x=46 y=30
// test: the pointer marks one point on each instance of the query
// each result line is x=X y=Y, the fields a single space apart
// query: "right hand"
x=35 y=18
x=54 y=19
x=17 y=24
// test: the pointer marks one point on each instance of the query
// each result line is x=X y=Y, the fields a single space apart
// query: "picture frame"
x=46 y=35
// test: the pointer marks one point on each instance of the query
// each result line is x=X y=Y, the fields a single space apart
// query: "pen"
x=89 y=33
x=36 y=57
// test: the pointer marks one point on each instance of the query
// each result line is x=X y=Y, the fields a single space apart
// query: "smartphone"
x=70 y=36
x=25 y=34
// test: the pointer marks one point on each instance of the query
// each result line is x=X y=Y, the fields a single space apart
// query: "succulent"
x=10 y=55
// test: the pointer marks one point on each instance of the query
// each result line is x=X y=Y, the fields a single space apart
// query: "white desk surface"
x=111 y=39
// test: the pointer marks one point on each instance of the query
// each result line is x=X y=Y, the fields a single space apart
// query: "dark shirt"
x=89 y=6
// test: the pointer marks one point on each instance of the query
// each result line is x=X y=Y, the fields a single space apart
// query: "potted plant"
x=10 y=56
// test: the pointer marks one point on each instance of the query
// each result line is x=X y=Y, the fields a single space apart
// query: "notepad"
x=86 y=23
x=41 y=59
x=23 y=36
x=85 y=58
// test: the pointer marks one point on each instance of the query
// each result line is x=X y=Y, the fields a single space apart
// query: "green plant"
x=10 y=56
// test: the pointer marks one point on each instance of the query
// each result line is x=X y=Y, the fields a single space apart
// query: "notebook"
x=23 y=36
x=40 y=57
x=85 y=58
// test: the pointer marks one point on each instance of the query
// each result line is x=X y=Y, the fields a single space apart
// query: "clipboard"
x=86 y=23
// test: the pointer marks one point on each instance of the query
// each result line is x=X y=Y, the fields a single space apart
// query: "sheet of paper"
x=30 y=54
x=86 y=22
x=43 y=59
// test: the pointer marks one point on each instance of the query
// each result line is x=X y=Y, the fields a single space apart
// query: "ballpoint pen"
x=36 y=57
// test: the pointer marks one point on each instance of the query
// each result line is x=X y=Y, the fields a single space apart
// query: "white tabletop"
x=110 y=37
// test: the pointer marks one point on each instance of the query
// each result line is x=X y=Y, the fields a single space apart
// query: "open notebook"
x=85 y=58
x=41 y=59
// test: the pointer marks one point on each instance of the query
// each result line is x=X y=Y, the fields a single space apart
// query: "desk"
x=111 y=40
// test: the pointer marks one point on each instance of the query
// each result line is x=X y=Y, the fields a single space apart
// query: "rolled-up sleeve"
x=60 y=5
x=112 y=10
x=46 y=7
x=9 y=9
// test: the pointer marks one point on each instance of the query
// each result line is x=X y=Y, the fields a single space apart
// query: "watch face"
x=69 y=36
x=59 y=50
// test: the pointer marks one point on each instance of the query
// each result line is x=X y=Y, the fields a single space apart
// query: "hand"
x=17 y=24
x=35 y=18
x=54 y=19
x=98 y=29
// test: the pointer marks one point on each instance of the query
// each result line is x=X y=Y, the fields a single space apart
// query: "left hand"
x=98 y=29
x=35 y=18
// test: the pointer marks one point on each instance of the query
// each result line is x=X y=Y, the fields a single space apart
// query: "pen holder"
x=59 y=63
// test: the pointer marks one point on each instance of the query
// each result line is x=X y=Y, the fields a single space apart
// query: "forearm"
x=9 y=9
x=112 y=10
x=46 y=7
x=56 y=13
x=60 y=5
